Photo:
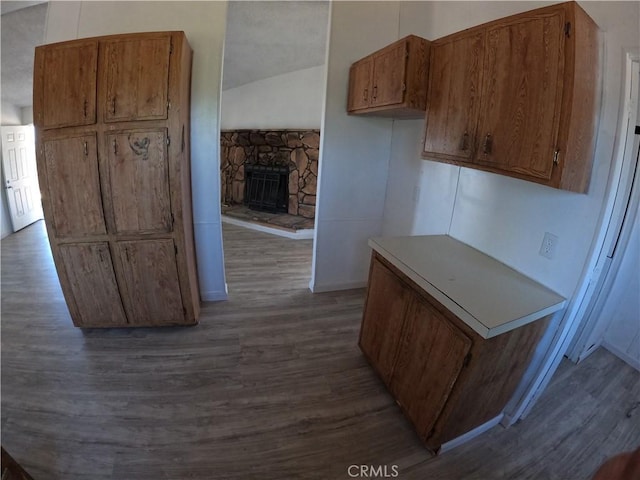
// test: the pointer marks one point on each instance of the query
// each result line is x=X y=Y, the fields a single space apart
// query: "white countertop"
x=487 y=295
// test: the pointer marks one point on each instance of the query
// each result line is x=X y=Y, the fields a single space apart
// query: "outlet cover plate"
x=549 y=244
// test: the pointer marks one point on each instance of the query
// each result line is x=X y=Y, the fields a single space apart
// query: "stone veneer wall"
x=297 y=149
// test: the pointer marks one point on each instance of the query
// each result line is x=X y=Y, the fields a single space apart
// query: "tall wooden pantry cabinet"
x=112 y=145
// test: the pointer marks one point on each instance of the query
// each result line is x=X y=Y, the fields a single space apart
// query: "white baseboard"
x=305 y=234
x=456 y=442
x=634 y=362
x=332 y=287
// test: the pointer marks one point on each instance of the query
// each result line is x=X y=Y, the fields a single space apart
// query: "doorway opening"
x=271 y=112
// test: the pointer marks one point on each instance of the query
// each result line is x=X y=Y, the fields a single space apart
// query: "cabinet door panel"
x=93 y=284
x=523 y=94
x=149 y=272
x=139 y=181
x=383 y=319
x=68 y=78
x=73 y=186
x=454 y=97
x=430 y=358
x=137 y=78
x=359 y=84
x=389 y=71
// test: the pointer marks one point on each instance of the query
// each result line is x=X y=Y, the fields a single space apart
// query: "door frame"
x=624 y=211
x=574 y=319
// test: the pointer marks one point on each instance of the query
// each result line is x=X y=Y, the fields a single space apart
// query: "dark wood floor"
x=270 y=385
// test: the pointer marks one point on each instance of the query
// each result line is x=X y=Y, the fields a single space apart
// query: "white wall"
x=11 y=115
x=292 y=100
x=26 y=114
x=204 y=24
x=501 y=216
x=354 y=151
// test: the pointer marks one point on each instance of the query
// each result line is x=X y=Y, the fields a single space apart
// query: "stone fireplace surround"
x=296 y=149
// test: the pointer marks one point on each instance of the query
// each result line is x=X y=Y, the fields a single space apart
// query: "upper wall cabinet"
x=67 y=92
x=392 y=81
x=518 y=96
x=137 y=78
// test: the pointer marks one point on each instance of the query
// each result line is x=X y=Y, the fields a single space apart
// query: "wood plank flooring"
x=269 y=385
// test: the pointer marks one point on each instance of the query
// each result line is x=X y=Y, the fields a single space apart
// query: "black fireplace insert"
x=266 y=188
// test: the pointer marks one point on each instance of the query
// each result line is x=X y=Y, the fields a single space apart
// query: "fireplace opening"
x=266 y=188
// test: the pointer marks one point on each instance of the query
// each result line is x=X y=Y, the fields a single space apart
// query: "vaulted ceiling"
x=263 y=39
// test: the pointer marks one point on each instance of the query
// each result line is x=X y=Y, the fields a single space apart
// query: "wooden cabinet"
x=94 y=299
x=360 y=85
x=113 y=165
x=386 y=308
x=71 y=162
x=392 y=81
x=454 y=97
x=151 y=283
x=67 y=93
x=138 y=171
x=518 y=96
x=137 y=77
x=446 y=378
x=430 y=357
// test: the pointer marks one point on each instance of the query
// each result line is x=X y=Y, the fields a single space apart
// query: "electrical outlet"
x=549 y=244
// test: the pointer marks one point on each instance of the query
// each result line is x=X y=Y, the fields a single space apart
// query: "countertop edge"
x=475 y=324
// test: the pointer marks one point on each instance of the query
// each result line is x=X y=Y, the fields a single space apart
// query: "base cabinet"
x=445 y=377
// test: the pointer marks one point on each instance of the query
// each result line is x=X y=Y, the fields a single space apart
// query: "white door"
x=21 y=175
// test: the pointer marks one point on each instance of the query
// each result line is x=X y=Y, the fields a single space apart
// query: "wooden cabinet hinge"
x=567 y=29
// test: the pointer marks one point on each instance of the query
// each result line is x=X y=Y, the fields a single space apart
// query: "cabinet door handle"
x=84 y=108
x=464 y=143
x=115 y=147
x=488 y=144
x=113 y=105
x=365 y=95
x=86 y=149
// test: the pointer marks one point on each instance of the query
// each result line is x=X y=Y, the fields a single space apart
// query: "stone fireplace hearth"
x=296 y=150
